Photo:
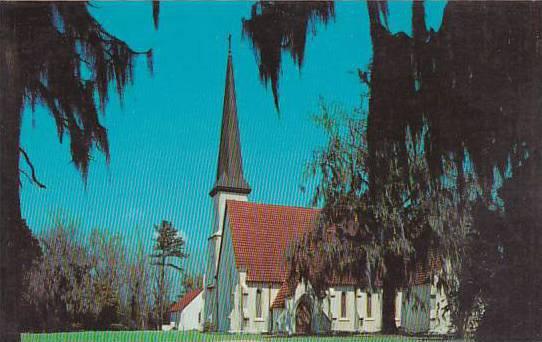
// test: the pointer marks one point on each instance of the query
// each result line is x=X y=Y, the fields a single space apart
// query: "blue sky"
x=164 y=138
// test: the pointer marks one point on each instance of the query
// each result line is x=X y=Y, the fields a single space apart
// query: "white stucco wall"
x=252 y=323
x=356 y=319
x=227 y=285
x=424 y=310
x=415 y=317
x=191 y=318
x=332 y=306
x=440 y=321
x=213 y=254
x=284 y=319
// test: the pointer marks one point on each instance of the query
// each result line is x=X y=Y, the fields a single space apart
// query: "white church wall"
x=424 y=310
x=255 y=323
x=227 y=286
x=371 y=317
x=348 y=322
x=209 y=307
x=398 y=308
x=252 y=322
x=357 y=319
x=191 y=316
x=213 y=253
x=285 y=318
x=440 y=321
x=415 y=316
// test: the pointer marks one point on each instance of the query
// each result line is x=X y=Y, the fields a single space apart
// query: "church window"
x=343 y=304
x=259 y=303
x=369 y=305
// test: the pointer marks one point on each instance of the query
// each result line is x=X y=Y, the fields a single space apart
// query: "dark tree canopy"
x=467 y=100
x=58 y=55
x=277 y=27
x=68 y=62
x=472 y=84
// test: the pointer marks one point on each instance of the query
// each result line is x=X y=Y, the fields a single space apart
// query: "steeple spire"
x=229 y=44
x=229 y=175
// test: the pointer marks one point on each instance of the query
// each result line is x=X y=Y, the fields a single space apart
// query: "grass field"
x=158 y=336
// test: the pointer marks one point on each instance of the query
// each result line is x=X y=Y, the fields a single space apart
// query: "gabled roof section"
x=261 y=235
x=229 y=175
x=185 y=301
x=280 y=299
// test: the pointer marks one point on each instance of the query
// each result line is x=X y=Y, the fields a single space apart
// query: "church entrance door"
x=303 y=316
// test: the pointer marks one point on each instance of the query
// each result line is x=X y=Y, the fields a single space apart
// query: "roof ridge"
x=274 y=205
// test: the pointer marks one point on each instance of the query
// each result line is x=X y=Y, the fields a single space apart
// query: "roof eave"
x=232 y=189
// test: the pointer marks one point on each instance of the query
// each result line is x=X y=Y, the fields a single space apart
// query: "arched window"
x=259 y=303
x=369 y=305
x=343 y=304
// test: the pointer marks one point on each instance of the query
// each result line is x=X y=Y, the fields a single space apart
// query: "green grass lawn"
x=158 y=336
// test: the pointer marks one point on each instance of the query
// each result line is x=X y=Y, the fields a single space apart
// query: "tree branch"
x=174 y=266
x=33 y=175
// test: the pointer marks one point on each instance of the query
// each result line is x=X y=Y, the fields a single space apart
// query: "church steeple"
x=229 y=175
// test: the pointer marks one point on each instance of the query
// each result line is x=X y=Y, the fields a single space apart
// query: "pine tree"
x=169 y=247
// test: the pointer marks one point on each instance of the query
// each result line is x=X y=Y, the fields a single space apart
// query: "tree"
x=86 y=283
x=169 y=245
x=110 y=278
x=140 y=291
x=59 y=285
x=374 y=241
x=44 y=49
x=191 y=282
x=469 y=98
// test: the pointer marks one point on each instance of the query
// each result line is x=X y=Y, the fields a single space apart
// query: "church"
x=245 y=288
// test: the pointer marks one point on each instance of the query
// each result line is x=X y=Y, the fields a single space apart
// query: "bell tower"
x=230 y=184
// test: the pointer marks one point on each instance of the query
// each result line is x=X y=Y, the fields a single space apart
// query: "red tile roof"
x=261 y=234
x=183 y=302
x=284 y=292
x=423 y=272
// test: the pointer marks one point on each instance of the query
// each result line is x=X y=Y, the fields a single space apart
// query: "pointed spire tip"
x=229 y=43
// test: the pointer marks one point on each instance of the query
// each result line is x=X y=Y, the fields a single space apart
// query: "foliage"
x=60 y=285
x=65 y=59
x=191 y=282
x=73 y=286
x=503 y=262
x=382 y=241
x=55 y=54
x=290 y=22
x=169 y=244
x=141 y=305
x=469 y=103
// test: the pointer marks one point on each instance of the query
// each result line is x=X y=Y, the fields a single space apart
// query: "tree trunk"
x=388 y=308
x=11 y=99
x=162 y=294
x=390 y=284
